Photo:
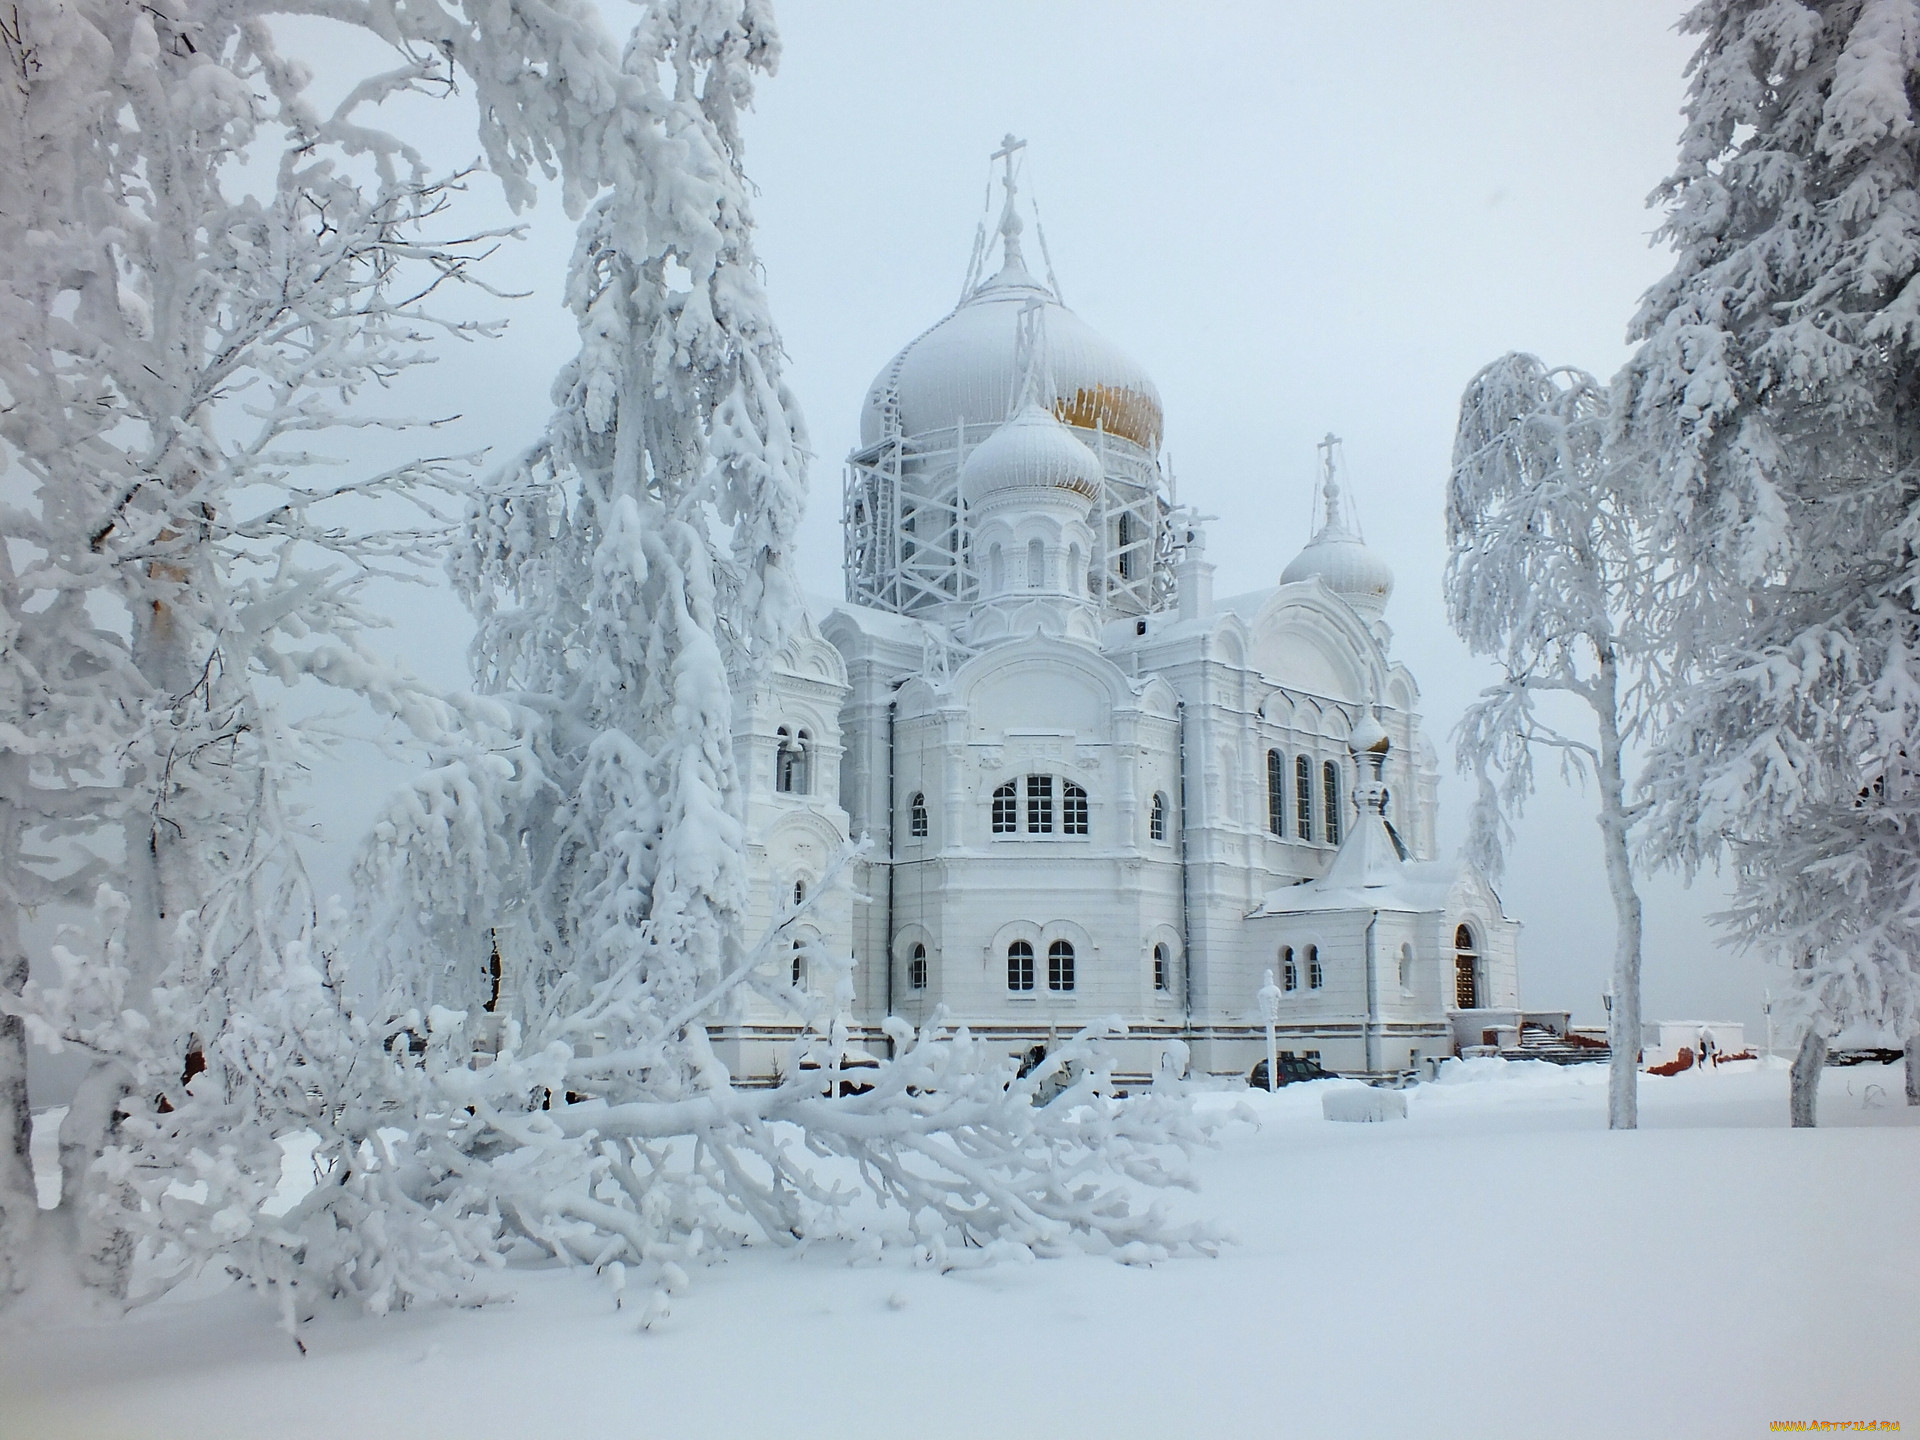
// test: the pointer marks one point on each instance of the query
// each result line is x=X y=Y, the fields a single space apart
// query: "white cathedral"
x=1090 y=789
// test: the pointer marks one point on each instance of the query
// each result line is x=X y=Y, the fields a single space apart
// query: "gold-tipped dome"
x=1031 y=451
x=1369 y=736
x=964 y=369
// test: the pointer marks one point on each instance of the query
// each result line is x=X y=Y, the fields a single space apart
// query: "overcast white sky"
x=1298 y=218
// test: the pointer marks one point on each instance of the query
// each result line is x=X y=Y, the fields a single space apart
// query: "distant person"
x=1707 y=1055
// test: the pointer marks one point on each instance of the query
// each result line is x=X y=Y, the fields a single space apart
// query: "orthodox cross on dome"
x=1009 y=217
x=1329 y=447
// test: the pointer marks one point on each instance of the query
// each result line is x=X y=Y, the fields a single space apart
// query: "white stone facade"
x=1089 y=790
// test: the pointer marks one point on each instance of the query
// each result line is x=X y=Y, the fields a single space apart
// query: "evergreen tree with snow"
x=1546 y=565
x=1775 y=401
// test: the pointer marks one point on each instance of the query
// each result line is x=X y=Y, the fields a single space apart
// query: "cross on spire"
x=1010 y=226
x=1329 y=486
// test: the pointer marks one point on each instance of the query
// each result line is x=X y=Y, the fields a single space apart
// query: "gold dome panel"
x=1118 y=410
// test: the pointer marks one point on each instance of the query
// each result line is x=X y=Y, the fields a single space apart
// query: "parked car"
x=1292 y=1068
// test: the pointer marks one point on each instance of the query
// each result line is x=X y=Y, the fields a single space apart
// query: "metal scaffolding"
x=907 y=537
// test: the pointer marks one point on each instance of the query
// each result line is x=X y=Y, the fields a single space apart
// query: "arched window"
x=917 y=816
x=1060 y=966
x=1330 y=780
x=1466 y=970
x=1019 y=966
x=1289 y=972
x=1316 y=976
x=1406 y=968
x=799 y=963
x=1036 y=565
x=1039 y=804
x=1073 y=809
x=799 y=892
x=997 y=569
x=790 y=763
x=917 y=969
x=1072 y=579
x=1006 y=809
x=1276 y=793
x=1157 y=818
x=1303 y=797
x=1162 y=969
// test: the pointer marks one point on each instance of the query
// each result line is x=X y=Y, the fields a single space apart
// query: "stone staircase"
x=1542 y=1042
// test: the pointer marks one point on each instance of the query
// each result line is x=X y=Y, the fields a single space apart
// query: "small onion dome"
x=1347 y=567
x=1031 y=451
x=1369 y=736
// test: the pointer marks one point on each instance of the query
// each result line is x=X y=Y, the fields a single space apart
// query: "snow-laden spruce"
x=1775 y=397
x=1546 y=566
x=564 y=925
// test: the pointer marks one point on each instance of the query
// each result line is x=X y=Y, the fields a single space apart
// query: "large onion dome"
x=1340 y=559
x=965 y=370
x=1032 y=451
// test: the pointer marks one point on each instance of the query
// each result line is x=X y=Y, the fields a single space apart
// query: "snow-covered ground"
x=1495 y=1264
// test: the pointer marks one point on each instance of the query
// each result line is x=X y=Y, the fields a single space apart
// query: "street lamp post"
x=1270 y=1007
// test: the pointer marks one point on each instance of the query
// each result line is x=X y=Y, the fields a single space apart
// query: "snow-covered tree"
x=577 y=917
x=206 y=276
x=1775 y=400
x=1546 y=565
x=207 y=273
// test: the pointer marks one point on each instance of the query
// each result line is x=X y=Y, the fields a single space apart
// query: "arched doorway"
x=1466 y=970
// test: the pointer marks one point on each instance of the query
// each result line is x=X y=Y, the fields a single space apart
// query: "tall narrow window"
x=1039 y=804
x=917 y=816
x=1157 y=818
x=1406 y=968
x=1019 y=966
x=1276 y=793
x=1006 y=809
x=799 y=892
x=1303 y=797
x=790 y=764
x=1330 y=780
x=1036 y=565
x=799 y=963
x=1071 y=581
x=1316 y=976
x=1073 y=809
x=1289 y=972
x=1060 y=966
x=917 y=968
x=1466 y=966
x=997 y=570
x=1124 y=535
x=1162 y=969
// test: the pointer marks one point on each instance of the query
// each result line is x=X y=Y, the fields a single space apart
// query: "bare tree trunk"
x=1804 y=1087
x=18 y=1201
x=1623 y=1035
x=1913 y=1069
